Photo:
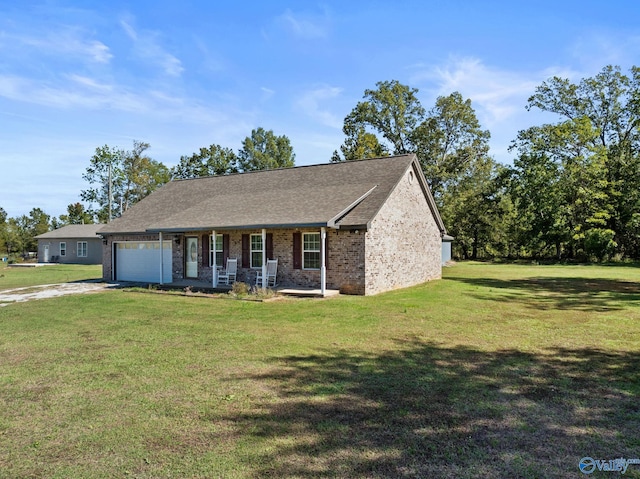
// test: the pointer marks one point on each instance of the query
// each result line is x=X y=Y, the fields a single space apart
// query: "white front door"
x=46 y=254
x=191 y=257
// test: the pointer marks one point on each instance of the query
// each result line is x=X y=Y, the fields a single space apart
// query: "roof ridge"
x=295 y=167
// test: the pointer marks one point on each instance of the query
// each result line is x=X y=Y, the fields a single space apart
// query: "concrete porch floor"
x=287 y=290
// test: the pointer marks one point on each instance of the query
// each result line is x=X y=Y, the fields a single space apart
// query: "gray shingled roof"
x=339 y=195
x=73 y=232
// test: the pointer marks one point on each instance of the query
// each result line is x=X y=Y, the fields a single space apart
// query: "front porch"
x=285 y=290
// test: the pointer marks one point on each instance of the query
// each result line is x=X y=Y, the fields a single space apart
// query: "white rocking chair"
x=272 y=272
x=229 y=274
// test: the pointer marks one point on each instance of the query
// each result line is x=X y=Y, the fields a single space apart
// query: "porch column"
x=264 y=258
x=161 y=259
x=323 y=260
x=214 y=270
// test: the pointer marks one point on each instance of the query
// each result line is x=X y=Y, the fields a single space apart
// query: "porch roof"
x=338 y=195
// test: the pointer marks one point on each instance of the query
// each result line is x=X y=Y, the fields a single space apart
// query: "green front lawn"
x=17 y=277
x=494 y=371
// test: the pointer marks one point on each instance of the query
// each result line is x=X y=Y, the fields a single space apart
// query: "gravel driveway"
x=50 y=291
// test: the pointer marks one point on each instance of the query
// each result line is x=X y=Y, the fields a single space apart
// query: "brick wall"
x=403 y=243
x=345 y=259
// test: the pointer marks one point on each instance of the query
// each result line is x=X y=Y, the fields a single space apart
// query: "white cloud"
x=496 y=94
x=69 y=42
x=146 y=45
x=499 y=96
x=82 y=92
x=305 y=26
x=91 y=83
x=313 y=103
x=267 y=94
x=597 y=49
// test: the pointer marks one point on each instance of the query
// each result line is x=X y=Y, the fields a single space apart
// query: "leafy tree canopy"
x=76 y=215
x=132 y=175
x=210 y=161
x=263 y=150
x=391 y=111
x=592 y=155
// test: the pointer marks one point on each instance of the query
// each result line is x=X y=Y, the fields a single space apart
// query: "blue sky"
x=76 y=75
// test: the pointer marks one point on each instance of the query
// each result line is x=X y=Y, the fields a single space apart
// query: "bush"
x=240 y=289
x=598 y=242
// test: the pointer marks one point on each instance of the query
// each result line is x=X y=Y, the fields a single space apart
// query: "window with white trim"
x=311 y=250
x=256 y=251
x=63 y=248
x=82 y=249
x=216 y=251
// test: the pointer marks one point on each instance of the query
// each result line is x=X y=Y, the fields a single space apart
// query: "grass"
x=495 y=371
x=16 y=277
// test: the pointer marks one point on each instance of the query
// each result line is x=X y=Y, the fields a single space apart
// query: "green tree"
x=210 y=161
x=263 y=150
x=536 y=195
x=38 y=222
x=359 y=145
x=391 y=111
x=611 y=103
x=449 y=143
x=132 y=175
x=12 y=238
x=473 y=209
x=21 y=231
x=559 y=185
x=105 y=171
x=3 y=228
x=142 y=175
x=76 y=215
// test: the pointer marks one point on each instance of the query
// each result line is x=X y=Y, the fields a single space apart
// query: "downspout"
x=323 y=257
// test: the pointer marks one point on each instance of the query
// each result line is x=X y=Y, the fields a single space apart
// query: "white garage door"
x=140 y=261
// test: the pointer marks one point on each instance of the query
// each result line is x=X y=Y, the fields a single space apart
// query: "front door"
x=191 y=255
x=46 y=254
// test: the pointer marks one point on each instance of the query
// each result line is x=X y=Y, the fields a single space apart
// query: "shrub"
x=598 y=242
x=240 y=289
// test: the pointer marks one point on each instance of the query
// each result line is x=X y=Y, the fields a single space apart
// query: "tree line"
x=572 y=191
x=119 y=178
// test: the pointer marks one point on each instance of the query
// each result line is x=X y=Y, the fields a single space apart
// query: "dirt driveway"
x=50 y=291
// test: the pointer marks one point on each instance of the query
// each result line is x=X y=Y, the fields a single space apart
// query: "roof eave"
x=241 y=227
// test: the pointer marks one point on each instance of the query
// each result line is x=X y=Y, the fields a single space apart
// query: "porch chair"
x=272 y=272
x=229 y=274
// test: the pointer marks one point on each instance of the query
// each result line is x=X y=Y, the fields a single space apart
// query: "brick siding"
x=403 y=243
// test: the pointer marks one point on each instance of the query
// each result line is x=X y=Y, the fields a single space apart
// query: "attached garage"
x=139 y=261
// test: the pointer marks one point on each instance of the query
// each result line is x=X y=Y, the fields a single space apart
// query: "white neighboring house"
x=72 y=244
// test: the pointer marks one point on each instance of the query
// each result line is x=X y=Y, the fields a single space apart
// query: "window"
x=216 y=251
x=63 y=248
x=311 y=251
x=82 y=249
x=256 y=251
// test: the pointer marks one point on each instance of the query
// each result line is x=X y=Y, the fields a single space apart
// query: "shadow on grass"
x=429 y=411
x=583 y=294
